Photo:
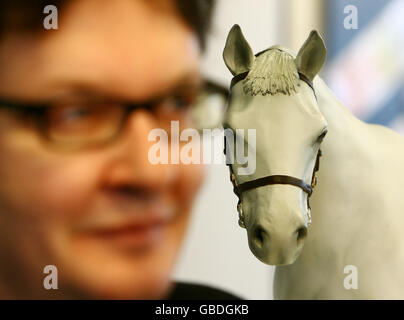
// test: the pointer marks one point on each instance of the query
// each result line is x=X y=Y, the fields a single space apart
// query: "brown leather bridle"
x=238 y=189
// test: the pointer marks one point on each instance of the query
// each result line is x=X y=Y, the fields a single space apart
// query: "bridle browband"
x=241 y=76
x=238 y=189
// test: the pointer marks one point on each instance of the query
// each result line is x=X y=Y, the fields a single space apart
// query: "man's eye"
x=177 y=103
x=75 y=118
x=71 y=114
x=182 y=101
x=76 y=113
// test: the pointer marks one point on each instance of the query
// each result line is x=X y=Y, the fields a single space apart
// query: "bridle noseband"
x=238 y=189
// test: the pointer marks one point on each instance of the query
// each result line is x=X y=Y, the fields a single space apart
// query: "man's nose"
x=132 y=165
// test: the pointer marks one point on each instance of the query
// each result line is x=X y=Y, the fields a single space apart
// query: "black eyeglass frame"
x=38 y=111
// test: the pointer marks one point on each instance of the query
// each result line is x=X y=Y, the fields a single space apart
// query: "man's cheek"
x=68 y=192
x=59 y=190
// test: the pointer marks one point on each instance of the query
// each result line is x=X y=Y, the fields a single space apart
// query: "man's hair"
x=27 y=15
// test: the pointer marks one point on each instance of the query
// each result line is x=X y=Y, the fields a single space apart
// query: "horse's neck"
x=344 y=141
x=341 y=122
x=337 y=115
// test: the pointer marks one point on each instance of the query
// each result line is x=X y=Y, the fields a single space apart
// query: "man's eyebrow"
x=190 y=81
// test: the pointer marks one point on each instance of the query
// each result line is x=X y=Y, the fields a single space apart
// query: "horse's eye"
x=321 y=136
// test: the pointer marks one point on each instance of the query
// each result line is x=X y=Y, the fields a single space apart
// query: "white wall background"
x=216 y=250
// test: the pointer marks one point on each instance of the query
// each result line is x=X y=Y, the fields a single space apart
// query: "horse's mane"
x=273 y=71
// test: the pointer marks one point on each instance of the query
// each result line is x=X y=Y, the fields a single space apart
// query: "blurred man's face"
x=109 y=220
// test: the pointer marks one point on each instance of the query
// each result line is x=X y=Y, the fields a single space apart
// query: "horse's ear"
x=311 y=56
x=237 y=53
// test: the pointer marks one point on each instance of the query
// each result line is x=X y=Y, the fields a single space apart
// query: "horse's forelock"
x=274 y=71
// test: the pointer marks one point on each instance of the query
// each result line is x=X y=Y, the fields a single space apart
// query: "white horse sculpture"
x=358 y=204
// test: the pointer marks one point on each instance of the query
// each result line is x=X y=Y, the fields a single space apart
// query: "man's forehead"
x=131 y=56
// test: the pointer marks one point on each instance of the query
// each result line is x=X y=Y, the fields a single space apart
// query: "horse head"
x=272 y=92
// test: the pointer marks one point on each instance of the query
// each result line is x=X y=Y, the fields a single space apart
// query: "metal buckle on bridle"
x=238 y=189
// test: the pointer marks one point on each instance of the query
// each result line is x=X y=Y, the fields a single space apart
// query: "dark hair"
x=26 y=15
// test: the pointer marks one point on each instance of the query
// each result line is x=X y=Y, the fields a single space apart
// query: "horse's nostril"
x=301 y=234
x=258 y=236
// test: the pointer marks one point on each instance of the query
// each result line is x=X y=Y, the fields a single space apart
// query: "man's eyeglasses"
x=93 y=121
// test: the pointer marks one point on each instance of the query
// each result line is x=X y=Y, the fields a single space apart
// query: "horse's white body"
x=357 y=212
x=358 y=204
